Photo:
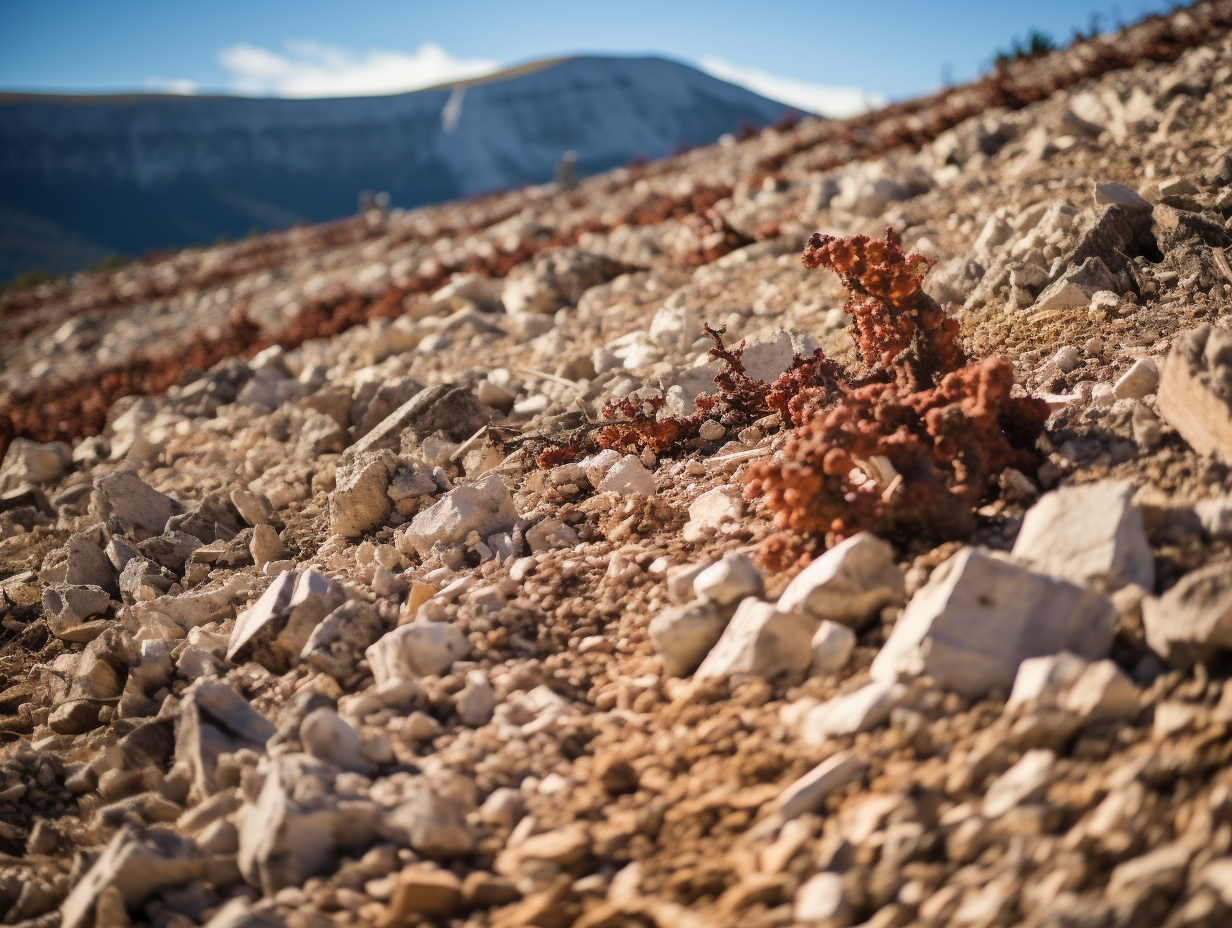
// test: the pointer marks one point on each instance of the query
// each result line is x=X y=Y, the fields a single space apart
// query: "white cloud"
x=184 y=88
x=312 y=69
x=813 y=98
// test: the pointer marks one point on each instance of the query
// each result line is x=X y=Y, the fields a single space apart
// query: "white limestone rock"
x=484 y=507
x=1089 y=535
x=136 y=508
x=476 y=701
x=711 y=511
x=1191 y=622
x=1195 y=393
x=433 y=825
x=674 y=327
x=1093 y=690
x=809 y=792
x=1141 y=379
x=832 y=647
x=359 y=502
x=418 y=649
x=978 y=618
x=29 y=461
x=337 y=645
x=1026 y=781
x=729 y=580
x=627 y=477
x=861 y=710
x=327 y=736
x=69 y=606
x=213 y=720
x=684 y=635
x=299 y=826
x=550 y=534
x=849 y=584
x=762 y=640
x=276 y=628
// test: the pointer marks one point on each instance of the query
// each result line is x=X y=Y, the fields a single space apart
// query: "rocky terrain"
x=585 y=558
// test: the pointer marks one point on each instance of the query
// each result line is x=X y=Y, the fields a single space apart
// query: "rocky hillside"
x=683 y=549
x=140 y=172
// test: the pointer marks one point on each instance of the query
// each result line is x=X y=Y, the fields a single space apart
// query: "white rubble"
x=1192 y=621
x=484 y=507
x=861 y=710
x=761 y=640
x=1025 y=781
x=276 y=628
x=418 y=649
x=1141 y=379
x=359 y=502
x=674 y=327
x=29 y=461
x=549 y=534
x=683 y=635
x=137 y=508
x=848 y=584
x=807 y=794
x=626 y=477
x=832 y=647
x=213 y=720
x=729 y=580
x=1093 y=690
x=979 y=617
x=1089 y=535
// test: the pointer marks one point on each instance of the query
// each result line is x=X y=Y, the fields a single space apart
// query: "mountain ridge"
x=137 y=172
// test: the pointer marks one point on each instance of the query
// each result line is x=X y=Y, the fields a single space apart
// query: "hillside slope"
x=439 y=568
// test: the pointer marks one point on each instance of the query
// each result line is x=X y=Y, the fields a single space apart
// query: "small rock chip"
x=420 y=891
x=1141 y=379
x=729 y=580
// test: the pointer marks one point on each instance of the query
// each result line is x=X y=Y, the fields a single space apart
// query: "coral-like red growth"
x=901 y=464
x=891 y=313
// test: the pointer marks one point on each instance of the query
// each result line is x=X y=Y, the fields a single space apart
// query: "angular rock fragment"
x=549 y=534
x=142 y=581
x=138 y=863
x=628 y=476
x=832 y=647
x=1195 y=393
x=1089 y=535
x=555 y=280
x=1192 y=621
x=684 y=635
x=359 y=502
x=1095 y=691
x=979 y=617
x=711 y=511
x=319 y=435
x=1141 y=379
x=196 y=607
x=484 y=507
x=1025 y=781
x=337 y=645
x=808 y=793
x=85 y=564
x=213 y=720
x=1074 y=288
x=276 y=628
x=861 y=710
x=419 y=649
x=299 y=826
x=762 y=640
x=29 y=461
x=848 y=584
x=136 y=508
x=729 y=580
x=432 y=824
x=69 y=606
x=328 y=737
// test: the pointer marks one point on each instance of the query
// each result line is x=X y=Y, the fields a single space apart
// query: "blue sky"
x=887 y=50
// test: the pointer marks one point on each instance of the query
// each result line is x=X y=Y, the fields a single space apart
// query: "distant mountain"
x=81 y=176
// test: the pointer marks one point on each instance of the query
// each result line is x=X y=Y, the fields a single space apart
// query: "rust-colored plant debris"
x=906 y=445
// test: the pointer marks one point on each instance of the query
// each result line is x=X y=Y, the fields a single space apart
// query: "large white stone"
x=762 y=640
x=419 y=649
x=1089 y=535
x=979 y=617
x=729 y=580
x=484 y=507
x=850 y=583
x=1192 y=621
x=684 y=635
